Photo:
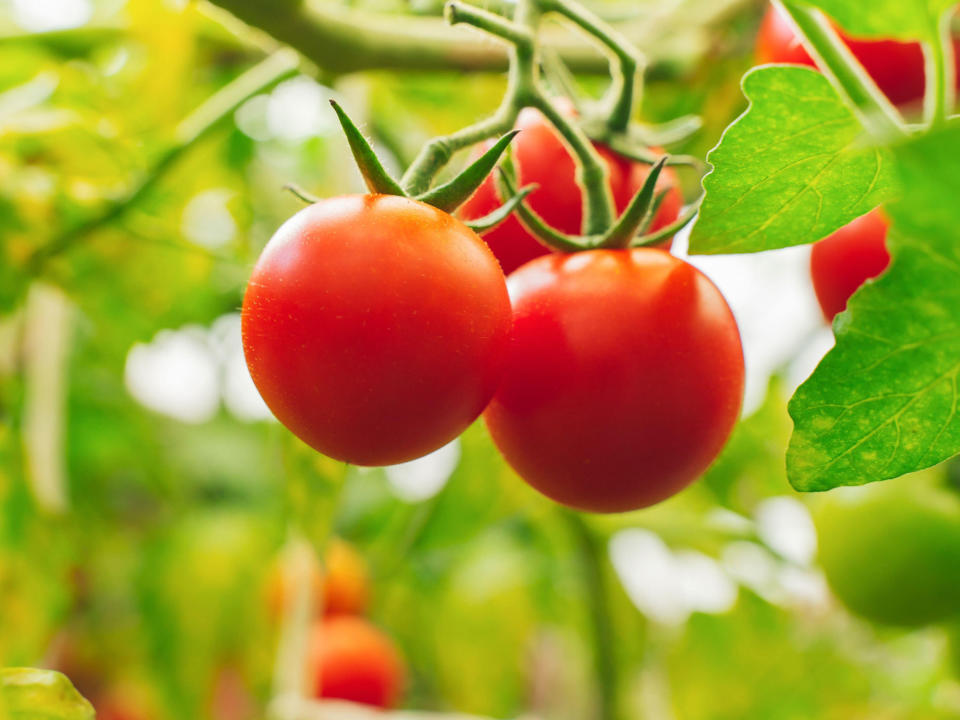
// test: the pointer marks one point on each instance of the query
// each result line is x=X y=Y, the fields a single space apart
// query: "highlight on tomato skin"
x=374 y=327
x=842 y=262
x=898 y=68
x=353 y=660
x=542 y=159
x=624 y=380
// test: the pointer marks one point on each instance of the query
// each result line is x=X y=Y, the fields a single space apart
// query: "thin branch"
x=344 y=40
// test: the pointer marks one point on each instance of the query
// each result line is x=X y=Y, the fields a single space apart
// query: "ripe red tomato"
x=542 y=158
x=844 y=261
x=624 y=380
x=898 y=68
x=375 y=326
x=354 y=661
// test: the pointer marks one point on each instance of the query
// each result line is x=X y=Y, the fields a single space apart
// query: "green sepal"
x=640 y=152
x=376 y=177
x=629 y=223
x=491 y=220
x=655 y=238
x=451 y=195
x=301 y=194
x=30 y=694
x=668 y=133
x=652 y=212
x=535 y=225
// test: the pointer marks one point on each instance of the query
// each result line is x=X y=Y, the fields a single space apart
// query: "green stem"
x=840 y=66
x=619 y=101
x=218 y=107
x=535 y=225
x=523 y=90
x=655 y=238
x=592 y=558
x=457 y=13
x=591 y=170
x=437 y=153
x=640 y=208
x=344 y=40
x=940 y=96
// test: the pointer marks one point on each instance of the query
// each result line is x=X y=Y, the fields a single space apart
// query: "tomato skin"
x=543 y=159
x=374 y=327
x=898 y=68
x=355 y=661
x=889 y=550
x=624 y=380
x=841 y=263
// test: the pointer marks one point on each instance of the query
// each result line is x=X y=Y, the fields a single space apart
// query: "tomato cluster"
x=378 y=327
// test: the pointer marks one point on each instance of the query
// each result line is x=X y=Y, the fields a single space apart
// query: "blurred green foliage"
x=150 y=587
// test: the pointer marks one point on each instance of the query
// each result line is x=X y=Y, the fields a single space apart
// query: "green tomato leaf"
x=793 y=169
x=913 y=20
x=28 y=694
x=884 y=401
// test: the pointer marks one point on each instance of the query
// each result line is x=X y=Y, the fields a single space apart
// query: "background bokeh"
x=145 y=492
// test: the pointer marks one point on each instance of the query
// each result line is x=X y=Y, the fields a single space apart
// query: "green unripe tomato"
x=891 y=550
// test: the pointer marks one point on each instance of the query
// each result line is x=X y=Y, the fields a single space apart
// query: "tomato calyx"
x=631 y=229
x=448 y=196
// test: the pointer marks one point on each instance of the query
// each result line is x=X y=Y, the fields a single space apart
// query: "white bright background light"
x=186 y=373
x=207 y=220
x=47 y=15
x=423 y=478
x=667 y=586
x=779 y=319
x=785 y=526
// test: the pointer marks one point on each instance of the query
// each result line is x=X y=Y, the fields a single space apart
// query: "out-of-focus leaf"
x=200 y=583
x=783 y=177
x=750 y=467
x=28 y=694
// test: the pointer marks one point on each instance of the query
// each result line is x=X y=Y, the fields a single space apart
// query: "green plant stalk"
x=343 y=40
x=534 y=224
x=840 y=66
x=438 y=151
x=523 y=90
x=591 y=170
x=940 y=97
x=640 y=208
x=619 y=100
x=670 y=230
x=194 y=128
x=592 y=559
